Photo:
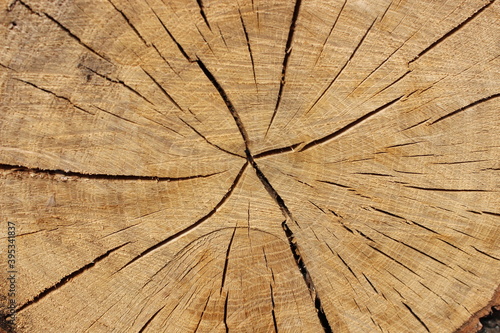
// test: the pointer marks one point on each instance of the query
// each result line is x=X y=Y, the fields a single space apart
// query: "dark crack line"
x=484 y=253
x=288 y=52
x=414 y=249
x=191 y=226
x=307 y=277
x=202 y=13
x=482 y=100
x=205 y=40
x=226 y=262
x=226 y=100
x=70 y=276
x=118 y=82
x=75 y=37
x=7 y=67
x=269 y=188
x=445 y=189
x=115 y=115
x=163 y=90
x=277 y=151
x=165 y=60
x=416 y=317
x=332 y=183
x=393 y=82
x=207 y=141
x=225 y=312
x=330 y=33
x=350 y=125
x=143 y=328
x=125 y=17
x=100 y=176
x=381 y=64
x=273 y=313
x=54 y=94
x=202 y=313
x=343 y=67
x=452 y=31
x=179 y=46
x=391 y=258
x=249 y=49
x=292 y=242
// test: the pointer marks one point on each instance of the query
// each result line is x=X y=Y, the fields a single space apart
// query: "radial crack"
x=249 y=48
x=452 y=31
x=179 y=46
x=307 y=277
x=273 y=313
x=343 y=67
x=202 y=13
x=70 y=276
x=125 y=17
x=416 y=317
x=163 y=90
x=225 y=312
x=226 y=262
x=206 y=140
x=143 y=328
x=350 y=125
x=99 y=176
x=269 y=188
x=330 y=33
x=288 y=52
x=54 y=94
x=463 y=108
x=226 y=100
x=75 y=37
x=192 y=226
x=118 y=82
x=276 y=151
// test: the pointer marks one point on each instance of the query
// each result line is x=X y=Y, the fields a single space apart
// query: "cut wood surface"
x=250 y=165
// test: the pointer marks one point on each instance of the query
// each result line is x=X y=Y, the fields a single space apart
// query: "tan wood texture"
x=250 y=165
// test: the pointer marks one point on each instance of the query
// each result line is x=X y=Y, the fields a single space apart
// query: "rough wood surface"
x=250 y=165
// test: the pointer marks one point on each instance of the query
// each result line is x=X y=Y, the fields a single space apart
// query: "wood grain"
x=250 y=165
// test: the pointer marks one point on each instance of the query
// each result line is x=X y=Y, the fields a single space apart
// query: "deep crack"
x=293 y=243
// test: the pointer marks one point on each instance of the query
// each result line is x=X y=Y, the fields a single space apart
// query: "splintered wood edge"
x=473 y=324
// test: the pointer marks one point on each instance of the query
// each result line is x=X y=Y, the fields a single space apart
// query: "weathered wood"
x=249 y=166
